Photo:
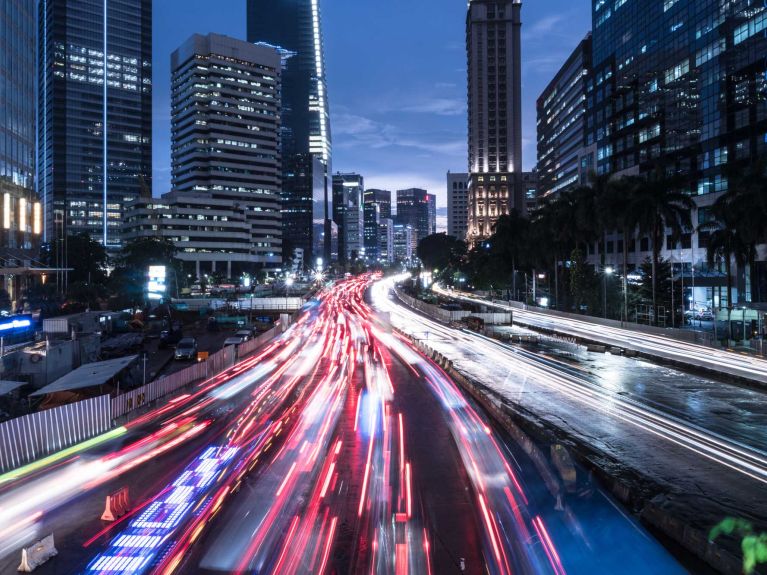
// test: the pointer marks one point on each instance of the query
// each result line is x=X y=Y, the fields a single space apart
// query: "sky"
x=396 y=80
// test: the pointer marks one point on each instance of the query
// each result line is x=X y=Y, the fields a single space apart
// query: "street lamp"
x=288 y=283
x=608 y=271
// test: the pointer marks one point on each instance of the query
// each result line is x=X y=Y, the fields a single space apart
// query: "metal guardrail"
x=30 y=437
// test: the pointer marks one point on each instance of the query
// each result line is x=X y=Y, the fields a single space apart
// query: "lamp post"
x=288 y=283
x=608 y=271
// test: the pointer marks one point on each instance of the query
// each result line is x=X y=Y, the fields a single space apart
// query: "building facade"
x=94 y=115
x=561 y=125
x=403 y=240
x=377 y=209
x=493 y=44
x=457 y=205
x=418 y=209
x=213 y=234
x=349 y=215
x=680 y=85
x=295 y=26
x=21 y=210
x=386 y=241
x=225 y=131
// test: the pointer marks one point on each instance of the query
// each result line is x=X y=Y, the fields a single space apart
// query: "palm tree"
x=725 y=242
x=657 y=205
x=510 y=241
x=746 y=204
x=614 y=213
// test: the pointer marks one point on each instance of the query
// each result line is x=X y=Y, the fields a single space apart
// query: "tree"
x=657 y=205
x=129 y=276
x=725 y=242
x=613 y=212
x=510 y=243
x=440 y=251
x=745 y=202
x=86 y=257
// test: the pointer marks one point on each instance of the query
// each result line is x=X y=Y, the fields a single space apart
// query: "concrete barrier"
x=37 y=554
x=117 y=505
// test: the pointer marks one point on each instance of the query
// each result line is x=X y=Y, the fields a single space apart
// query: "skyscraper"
x=295 y=27
x=418 y=209
x=493 y=41
x=349 y=215
x=21 y=212
x=225 y=132
x=680 y=85
x=95 y=113
x=561 y=110
x=377 y=209
x=457 y=205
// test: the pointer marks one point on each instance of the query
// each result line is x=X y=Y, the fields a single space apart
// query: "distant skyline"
x=397 y=80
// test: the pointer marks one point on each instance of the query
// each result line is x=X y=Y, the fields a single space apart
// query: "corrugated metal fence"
x=153 y=390
x=25 y=439
x=30 y=437
x=215 y=364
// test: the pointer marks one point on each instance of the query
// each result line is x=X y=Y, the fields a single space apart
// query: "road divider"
x=37 y=554
x=117 y=504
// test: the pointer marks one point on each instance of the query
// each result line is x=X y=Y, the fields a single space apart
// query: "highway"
x=715 y=360
x=336 y=449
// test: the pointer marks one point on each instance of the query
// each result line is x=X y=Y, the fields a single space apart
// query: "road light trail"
x=744 y=459
x=715 y=360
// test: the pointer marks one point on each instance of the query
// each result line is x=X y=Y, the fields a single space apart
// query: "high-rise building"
x=382 y=198
x=493 y=44
x=213 y=234
x=680 y=85
x=22 y=217
x=530 y=184
x=418 y=209
x=403 y=241
x=349 y=215
x=377 y=209
x=457 y=205
x=386 y=241
x=561 y=124
x=295 y=27
x=95 y=113
x=225 y=131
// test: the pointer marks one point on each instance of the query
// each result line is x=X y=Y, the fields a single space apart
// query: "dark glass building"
x=349 y=214
x=418 y=209
x=679 y=85
x=561 y=111
x=21 y=224
x=95 y=113
x=377 y=209
x=295 y=27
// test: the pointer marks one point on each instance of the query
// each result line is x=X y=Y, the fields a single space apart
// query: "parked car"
x=704 y=314
x=233 y=340
x=186 y=349
x=170 y=338
x=245 y=334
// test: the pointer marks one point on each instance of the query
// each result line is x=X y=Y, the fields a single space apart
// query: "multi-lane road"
x=336 y=449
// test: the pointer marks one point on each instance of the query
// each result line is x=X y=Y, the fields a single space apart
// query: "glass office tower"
x=681 y=86
x=21 y=216
x=295 y=27
x=95 y=113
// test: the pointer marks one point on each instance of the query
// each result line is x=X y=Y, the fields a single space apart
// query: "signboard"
x=155 y=286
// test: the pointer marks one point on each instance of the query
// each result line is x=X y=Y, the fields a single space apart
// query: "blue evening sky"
x=396 y=77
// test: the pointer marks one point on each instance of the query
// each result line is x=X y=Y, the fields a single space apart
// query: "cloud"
x=547 y=25
x=439 y=106
x=351 y=131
